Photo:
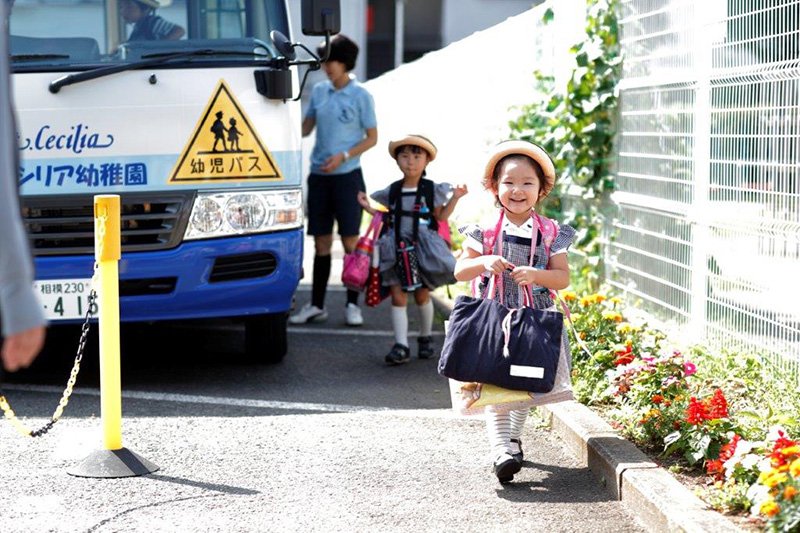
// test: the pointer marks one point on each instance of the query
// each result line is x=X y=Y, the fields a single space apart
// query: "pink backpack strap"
x=549 y=230
x=489 y=236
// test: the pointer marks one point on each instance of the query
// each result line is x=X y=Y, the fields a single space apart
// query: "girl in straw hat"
x=534 y=253
x=416 y=207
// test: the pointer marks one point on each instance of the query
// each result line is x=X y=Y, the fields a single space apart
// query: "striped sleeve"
x=473 y=237
x=563 y=239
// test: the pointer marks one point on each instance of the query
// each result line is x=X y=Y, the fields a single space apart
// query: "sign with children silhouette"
x=224 y=146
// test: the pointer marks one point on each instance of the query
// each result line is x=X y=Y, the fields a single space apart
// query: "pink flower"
x=689 y=368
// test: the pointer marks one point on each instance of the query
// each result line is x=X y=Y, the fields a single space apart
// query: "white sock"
x=400 y=325
x=426 y=319
x=498 y=429
x=518 y=419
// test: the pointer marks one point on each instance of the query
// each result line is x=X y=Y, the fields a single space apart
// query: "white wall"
x=462 y=97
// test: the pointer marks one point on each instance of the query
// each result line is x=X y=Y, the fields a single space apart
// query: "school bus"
x=191 y=115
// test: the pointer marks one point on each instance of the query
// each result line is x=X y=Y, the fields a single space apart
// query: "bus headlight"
x=218 y=214
x=206 y=216
x=245 y=212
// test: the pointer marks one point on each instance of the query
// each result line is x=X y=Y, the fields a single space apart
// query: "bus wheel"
x=265 y=338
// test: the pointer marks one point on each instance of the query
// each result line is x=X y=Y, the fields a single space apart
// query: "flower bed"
x=725 y=418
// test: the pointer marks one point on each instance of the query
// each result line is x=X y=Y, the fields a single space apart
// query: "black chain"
x=73 y=373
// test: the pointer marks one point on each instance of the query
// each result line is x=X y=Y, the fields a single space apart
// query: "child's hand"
x=496 y=264
x=363 y=201
x=524 y=275
x=459 y=190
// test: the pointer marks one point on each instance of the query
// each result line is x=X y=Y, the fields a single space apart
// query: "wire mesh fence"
x=707 y=232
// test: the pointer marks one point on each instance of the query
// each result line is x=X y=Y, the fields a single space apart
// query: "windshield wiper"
x=149 y=61
x=30 y=57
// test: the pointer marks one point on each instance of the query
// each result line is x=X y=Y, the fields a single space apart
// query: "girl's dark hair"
x=537 y=168
x=343 y=49
x=414 y=150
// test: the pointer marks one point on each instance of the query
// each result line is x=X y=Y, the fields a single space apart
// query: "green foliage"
x=730 y=496
x=576 y=124
x=724 y=414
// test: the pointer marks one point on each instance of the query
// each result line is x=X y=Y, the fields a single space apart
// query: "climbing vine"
x=576 y=124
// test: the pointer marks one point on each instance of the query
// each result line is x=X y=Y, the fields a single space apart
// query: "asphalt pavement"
x=331 y=439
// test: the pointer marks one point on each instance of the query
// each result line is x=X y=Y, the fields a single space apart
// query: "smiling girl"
x=523 y=249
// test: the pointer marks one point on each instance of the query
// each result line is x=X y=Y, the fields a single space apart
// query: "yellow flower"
x=772 y=478
x=770 y=508
x=615 y=300
x=791 y=450
x=569 y=296
x=789 y=492
x=598 y=298
x=625 y=327
x=585 y=301
x=613 y=316
x=794 y=468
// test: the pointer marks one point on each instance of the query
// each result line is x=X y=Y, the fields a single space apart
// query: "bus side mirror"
x=321 y=17
x=275 y=84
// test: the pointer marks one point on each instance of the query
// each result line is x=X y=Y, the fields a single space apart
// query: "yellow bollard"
x=107 y=254
x=112 y=461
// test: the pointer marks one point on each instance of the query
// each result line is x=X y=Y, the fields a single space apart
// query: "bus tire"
x=265 y=338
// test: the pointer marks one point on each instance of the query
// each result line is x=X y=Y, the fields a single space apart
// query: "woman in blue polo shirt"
x=343 y=113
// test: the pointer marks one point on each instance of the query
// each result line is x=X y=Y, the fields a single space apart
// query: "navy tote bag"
x=515 y=349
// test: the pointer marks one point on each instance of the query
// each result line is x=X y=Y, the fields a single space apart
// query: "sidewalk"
x=661 y=502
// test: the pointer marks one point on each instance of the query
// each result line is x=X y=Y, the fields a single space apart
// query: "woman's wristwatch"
x=346 y=155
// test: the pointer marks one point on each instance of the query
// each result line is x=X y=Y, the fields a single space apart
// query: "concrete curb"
x=661 y=502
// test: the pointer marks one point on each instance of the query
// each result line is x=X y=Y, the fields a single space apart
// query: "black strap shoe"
x=425 y=347
x=516 y=450
x=505 y=467
x=398 y=355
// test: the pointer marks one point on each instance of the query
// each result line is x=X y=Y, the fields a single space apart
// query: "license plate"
x=65 y=299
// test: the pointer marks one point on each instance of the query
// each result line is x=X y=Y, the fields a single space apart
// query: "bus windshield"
x=84 y=34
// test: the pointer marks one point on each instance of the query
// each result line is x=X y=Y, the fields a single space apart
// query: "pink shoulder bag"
x=356 y=264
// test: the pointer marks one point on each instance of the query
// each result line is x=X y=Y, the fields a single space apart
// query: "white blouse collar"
x=525 y=230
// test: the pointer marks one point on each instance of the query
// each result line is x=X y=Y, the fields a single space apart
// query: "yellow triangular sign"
x=224 y=146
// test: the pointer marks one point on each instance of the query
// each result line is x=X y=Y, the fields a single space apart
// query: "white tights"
x=502 y=427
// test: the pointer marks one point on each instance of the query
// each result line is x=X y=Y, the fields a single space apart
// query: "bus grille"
x=244 y=266
x=65 y=225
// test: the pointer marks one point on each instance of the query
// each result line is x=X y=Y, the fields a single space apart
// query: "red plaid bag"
x=376 y=292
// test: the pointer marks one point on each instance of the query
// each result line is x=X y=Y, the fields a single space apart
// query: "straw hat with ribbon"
x=413 y=140
x=516 y=147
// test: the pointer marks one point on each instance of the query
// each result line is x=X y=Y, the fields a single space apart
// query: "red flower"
x=624 y=357
x=715 y=466
x=777 y=459
x=782 y=442
x=657 y=399
x=696 y=413
x=717 y=406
